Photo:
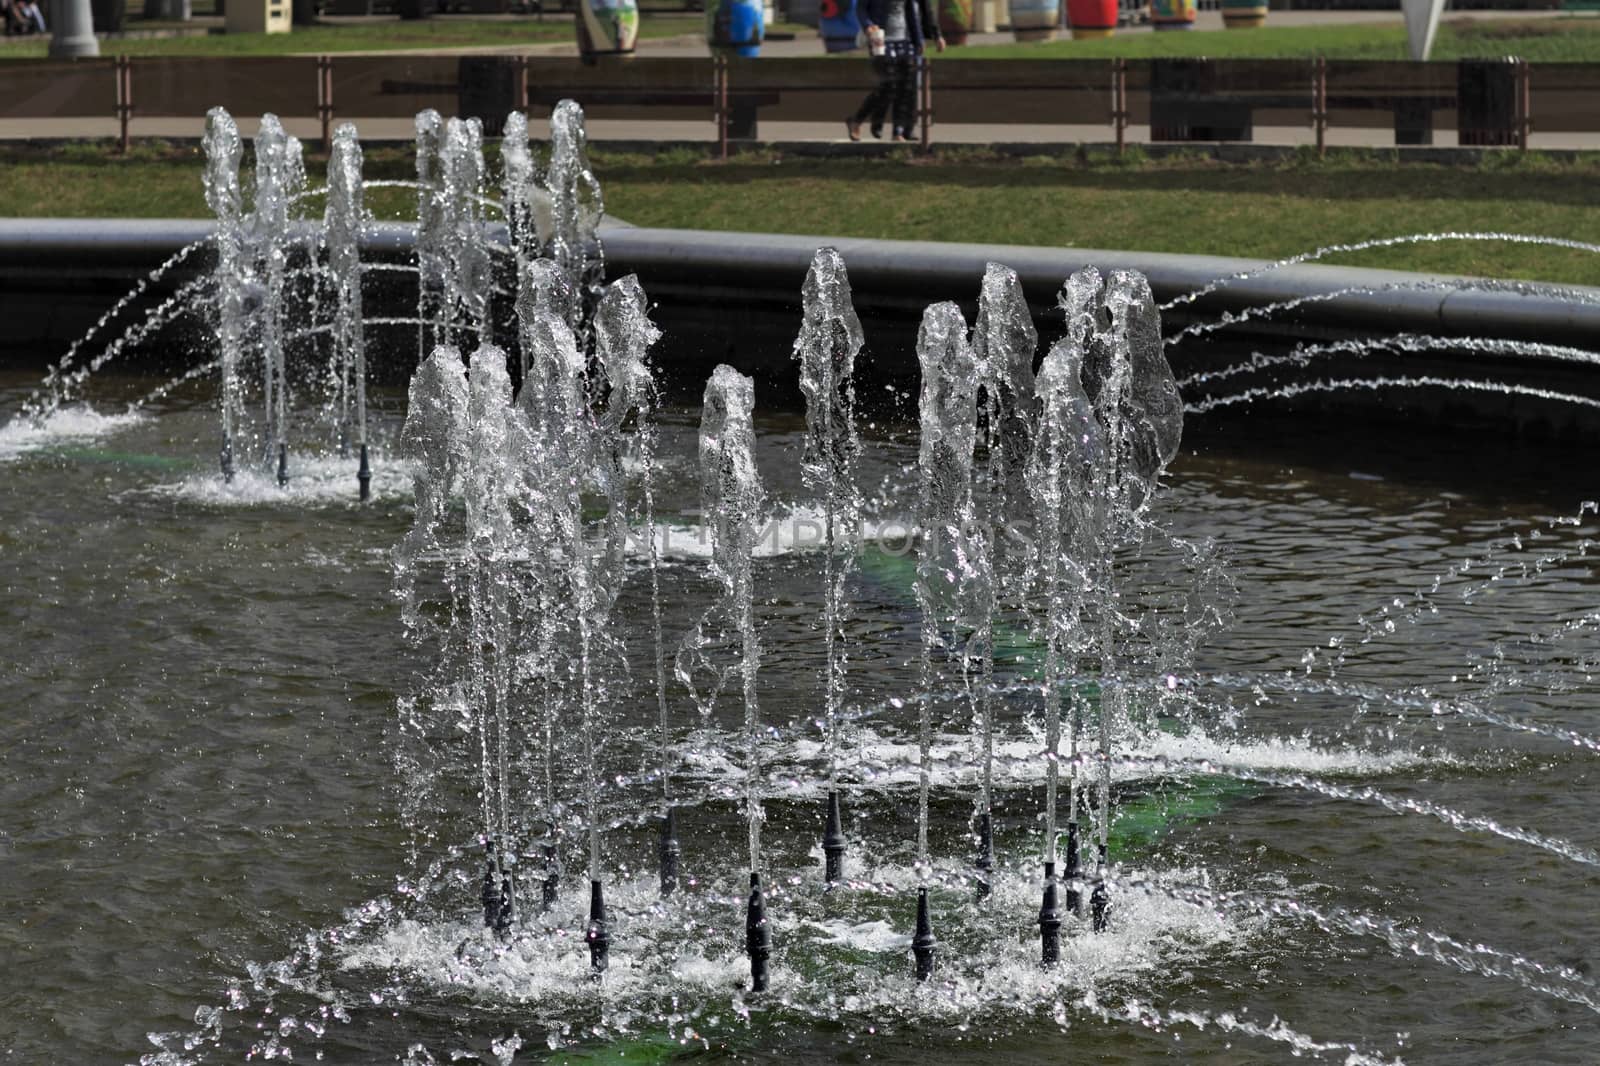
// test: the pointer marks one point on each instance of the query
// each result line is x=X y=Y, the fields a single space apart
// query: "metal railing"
x=1487 y=102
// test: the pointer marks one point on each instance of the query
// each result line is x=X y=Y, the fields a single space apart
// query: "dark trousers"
x=896 y=91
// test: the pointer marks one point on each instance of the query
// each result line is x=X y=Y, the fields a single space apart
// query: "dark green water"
x=197 y=698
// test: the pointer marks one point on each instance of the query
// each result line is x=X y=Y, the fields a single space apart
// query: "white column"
x=1422 y=21
x=72 y=30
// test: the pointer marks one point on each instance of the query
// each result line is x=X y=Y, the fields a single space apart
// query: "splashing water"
x=948 y=432
x=515 y=579
x=830 y=338
x=733 y=500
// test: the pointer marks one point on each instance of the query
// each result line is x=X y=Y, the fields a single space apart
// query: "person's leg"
x=877 y=101
x=905 y=97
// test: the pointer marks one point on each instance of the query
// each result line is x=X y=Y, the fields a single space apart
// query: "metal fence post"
x=1319 y=103
x=925 y=116
x=124 y=76
x=1524 y=104
x=325 y=100
x=1119 y=101
x=719 y=102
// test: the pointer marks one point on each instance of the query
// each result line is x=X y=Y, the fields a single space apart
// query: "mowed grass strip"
x=1574 y=38
x=376 y=35
x=1180 y=204
x=1571 y=39
x=1189 y=206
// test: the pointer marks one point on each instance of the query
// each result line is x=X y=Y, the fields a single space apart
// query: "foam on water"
x=313 y=482
x=884 y=763
x=852 y=969
x=63 y=425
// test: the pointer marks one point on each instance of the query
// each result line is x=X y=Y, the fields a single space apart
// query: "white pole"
x=72 y=30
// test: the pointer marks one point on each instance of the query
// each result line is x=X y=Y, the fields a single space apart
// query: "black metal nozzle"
x=985 y=859
x=508 y=911
x=364 y=476
x=1100 y=899
x=490 y=896
x=757 y=935
x=669 y=852
x=923 y=944
x=1074 y=871
x=1049 y=920
x=550 y=887
x=552 y=879
x=833 y=842
x=227 y=460
x=283 y=465
x=598 y=936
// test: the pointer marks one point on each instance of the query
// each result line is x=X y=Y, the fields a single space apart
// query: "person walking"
x=896 y=31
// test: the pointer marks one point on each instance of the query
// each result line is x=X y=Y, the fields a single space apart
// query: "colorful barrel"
x=955 y=20
x=735 y=27
x=1244 y=14
x=1092 y=18
x=1172 y=14
x=1035 y=20
x=607 y=27
x=839 y=24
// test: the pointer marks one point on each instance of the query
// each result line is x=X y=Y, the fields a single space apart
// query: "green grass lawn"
x=1173 y=205
x=1267 y=211
x=1571 y=39
x=1574 y=38
x=376 y=35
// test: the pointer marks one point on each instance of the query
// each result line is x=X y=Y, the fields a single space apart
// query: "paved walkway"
x=604 y=131
x=692 y=44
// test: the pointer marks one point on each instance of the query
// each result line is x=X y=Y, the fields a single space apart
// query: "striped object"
x=1244 y=14
x=1035 y=20
x=1172 y=14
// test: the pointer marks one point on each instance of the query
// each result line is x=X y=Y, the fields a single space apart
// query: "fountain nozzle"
x=1050 y=920
x=1100 y=899
x=490 y=896
x=552 y=877
x=669 y=852
x=283 y=465
x=923 y=944
x=598 y=935
x=757 y=935
x=833 y=842
x=227 y=460
x=985 y=859
x=507 y=912
x=364 y=475
x=1074 y=871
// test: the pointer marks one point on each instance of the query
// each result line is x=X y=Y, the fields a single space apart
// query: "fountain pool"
x=1361 y=830
x=201 y=685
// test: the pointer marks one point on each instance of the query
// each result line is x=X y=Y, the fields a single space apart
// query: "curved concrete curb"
x=772 y=267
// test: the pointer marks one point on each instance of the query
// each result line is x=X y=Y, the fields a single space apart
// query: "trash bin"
x=257 y=16
x=167 y=10
x=1486 y=101
x=1186 y=104
x=486 y=89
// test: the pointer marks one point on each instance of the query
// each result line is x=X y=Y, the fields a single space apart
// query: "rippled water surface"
x=198 y=695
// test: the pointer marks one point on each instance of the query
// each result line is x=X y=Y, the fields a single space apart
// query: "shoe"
x=877 y=133
x=900 y=137
x=853 y=128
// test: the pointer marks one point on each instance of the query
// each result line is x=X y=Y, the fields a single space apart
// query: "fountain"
x=1054 y=624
